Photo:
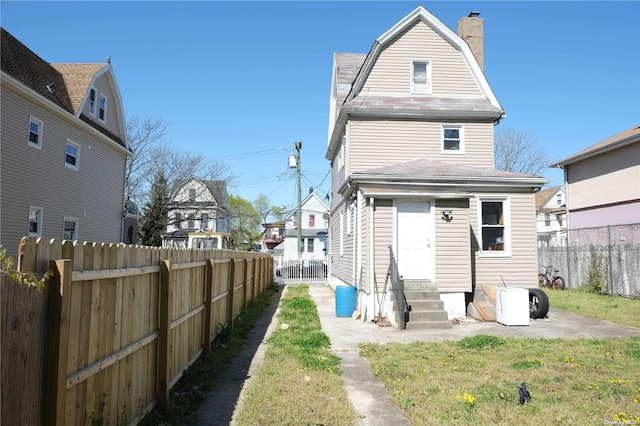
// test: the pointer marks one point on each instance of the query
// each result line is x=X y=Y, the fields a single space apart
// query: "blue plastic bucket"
x=345 y=300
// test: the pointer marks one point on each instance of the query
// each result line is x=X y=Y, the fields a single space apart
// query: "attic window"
x=421 y=77
x=92 y=101
x=103 y=108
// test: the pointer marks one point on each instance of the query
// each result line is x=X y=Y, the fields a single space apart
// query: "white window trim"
x=40 y=124
x=506 y=211
x=95 y=101
x=428 y=89
x=461 y=148
x=77 y=146
x=71 y=219
x=106 y=104
x=349 y=215
x=40 y=222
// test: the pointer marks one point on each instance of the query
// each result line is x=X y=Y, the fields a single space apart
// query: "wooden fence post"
x=57 y=342
x=164 y=332
x=232 y=284
x=208 y=295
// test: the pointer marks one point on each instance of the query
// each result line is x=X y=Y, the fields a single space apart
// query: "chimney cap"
x=474 y=14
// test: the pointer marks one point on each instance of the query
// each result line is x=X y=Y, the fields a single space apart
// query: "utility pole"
x=298 y=148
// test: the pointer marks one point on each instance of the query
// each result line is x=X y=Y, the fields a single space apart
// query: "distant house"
x=551 y=217
x=273 y=235
x=199 y=206
x=313 y=229
x=603 y=182
x=414 y=186
x=63 y=149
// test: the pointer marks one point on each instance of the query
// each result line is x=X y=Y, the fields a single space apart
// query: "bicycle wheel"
x=559 y=283
x=543 y=281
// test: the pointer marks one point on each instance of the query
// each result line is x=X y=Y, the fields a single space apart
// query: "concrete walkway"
x=368 y=396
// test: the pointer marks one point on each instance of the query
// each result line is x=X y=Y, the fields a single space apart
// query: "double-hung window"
x=494 y=226
x=35 y=132
x=70 y=229
x=72 y=155
x=420 y=77
x=35 y=221
x=312 y=221
x=452 y=139
x=92 y=101
x=310 y=242
x=102 y=108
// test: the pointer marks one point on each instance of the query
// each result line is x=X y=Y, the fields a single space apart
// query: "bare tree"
x=144 y=135
x=263 y=206
x=518 y=151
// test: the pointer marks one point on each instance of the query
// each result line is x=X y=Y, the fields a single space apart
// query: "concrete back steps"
x=427 y=310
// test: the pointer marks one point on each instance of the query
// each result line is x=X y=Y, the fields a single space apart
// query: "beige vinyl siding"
x=611 y=177
x=103 y=85
x=93 y=194
x=520 y=269
x=383 y=226
x=342 y=265
x=453 y=246
x=392 y=71
x=379 y=143
x=364 y=246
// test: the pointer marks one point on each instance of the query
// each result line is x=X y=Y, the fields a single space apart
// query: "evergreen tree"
x=154 y=220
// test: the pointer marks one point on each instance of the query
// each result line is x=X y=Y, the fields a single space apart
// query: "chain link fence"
x=604 y=259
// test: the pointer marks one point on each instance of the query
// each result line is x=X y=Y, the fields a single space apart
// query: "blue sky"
x=240 y=82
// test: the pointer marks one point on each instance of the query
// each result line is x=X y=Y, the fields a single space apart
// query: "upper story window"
x=192 y=194
x=72 y=155
x=92 y=101
x=452 y=139
x=547 y=219
x=559 y=217
x=178 y=220
x=340 y=159
x=312 y=221
x=420 y=77
x=35 y=132
x=35 y=221
x=70 y=229
x=102 y=110
x=295 y=221
x=559 y=199
x=494 y=235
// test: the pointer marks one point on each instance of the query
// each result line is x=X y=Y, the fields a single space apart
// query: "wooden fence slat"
x=164 y=326
x=231 y=287
x=58 y=336
x=208 y=295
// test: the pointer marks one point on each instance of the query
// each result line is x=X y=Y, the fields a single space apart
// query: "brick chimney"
x=471 y=30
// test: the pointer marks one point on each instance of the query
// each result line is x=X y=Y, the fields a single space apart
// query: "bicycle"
x=547 y=279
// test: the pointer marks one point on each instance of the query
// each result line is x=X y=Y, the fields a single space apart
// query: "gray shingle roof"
x=423 y=168
x=631 y=135
x=421 y=104
x=347 y=67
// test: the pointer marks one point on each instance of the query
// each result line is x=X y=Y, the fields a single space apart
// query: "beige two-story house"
x=63 y=149
x=415 y=194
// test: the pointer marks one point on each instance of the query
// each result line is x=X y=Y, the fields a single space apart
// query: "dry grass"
x=300 y=382
x=612 y=308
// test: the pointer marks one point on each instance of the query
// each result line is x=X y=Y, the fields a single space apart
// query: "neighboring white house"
x=314 y=230
x=199 y=206
x=551 y=217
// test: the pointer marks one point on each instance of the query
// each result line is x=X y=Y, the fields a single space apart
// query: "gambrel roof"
x=65 y=85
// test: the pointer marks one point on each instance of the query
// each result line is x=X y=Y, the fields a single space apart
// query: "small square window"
x=35 y=132
x=452 y=139
x=92 y=101
x=70 y=229
x=421 y=77
x=102 y=112
x=35 y=221
x=72 y=155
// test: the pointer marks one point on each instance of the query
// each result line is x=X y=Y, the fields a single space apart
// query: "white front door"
x=414 y=240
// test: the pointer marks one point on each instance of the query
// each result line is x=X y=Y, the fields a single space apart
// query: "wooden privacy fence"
x=120 y=327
